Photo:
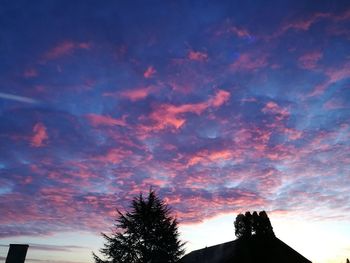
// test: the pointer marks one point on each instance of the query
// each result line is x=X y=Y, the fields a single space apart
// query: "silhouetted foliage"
x=243 y=226
x=146 y=234
x=347 y=260
x=253 y=224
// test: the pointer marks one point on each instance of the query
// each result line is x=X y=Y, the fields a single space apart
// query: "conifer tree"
x=145 y=234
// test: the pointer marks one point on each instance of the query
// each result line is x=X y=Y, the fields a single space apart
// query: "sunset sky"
x=219 y=106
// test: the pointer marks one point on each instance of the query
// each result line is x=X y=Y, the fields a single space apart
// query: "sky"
x=219 y=106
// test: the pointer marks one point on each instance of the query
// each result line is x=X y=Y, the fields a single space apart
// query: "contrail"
x=17 y=98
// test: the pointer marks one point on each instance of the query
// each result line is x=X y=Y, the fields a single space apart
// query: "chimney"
x=17 y=253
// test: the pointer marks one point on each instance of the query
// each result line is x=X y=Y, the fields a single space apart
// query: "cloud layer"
x=216 y=113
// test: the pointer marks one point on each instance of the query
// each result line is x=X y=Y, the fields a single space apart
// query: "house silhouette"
x=250 y=250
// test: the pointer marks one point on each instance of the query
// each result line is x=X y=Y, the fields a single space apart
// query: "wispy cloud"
x=13 y=97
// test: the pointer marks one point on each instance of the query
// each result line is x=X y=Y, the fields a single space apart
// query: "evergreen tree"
x=146 y=234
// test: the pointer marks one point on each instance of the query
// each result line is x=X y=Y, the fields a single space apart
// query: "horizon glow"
x=220 y=107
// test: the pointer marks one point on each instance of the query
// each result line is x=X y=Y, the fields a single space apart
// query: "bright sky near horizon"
x=220 y=106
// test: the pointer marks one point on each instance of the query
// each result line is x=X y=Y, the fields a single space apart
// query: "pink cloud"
x=167 y=115
x=309 y=60
x=293 y=134
x=102 y=120
x=65 y=48
x=40 y=135
x=273 y=108
x=229 y=28
x=249 y=62
x=334 y=104
x=240 y=32
x=334 y=75
x=303 y=24
x=114 y=156
x=150 y=71
x=344 y=16
x=197 y=56
x=137 y=94
x=206 y=157
x=216 y=203
x=221 y=97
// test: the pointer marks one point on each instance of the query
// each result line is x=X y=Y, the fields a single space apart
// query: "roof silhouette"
x=247 y=250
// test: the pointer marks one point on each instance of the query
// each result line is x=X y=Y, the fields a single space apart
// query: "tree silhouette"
x=146 y=234
x=243 y=225
x=265 y=224
x=253 y=224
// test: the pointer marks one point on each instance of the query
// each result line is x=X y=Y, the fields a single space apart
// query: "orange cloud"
x=150 y=71
x=101 y=120
x=40 y=135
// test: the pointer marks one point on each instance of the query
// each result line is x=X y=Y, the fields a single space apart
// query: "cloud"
x=305 y=23
x=206 y=157
x=220 y=98
x=334 y=104
x=168 y=115
x=240 y=32
x=309 y=60
x=100 y=120
x=8 y=96
x=249 y=62
x=150 y=71
x=137 y=94
x=334 y=75
x=197 y=56
x=228 y=28
x=273 y=108
x=65 y=48
x=44 y=247
x=216 y=129
x=114 y=156
x=40 y=135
